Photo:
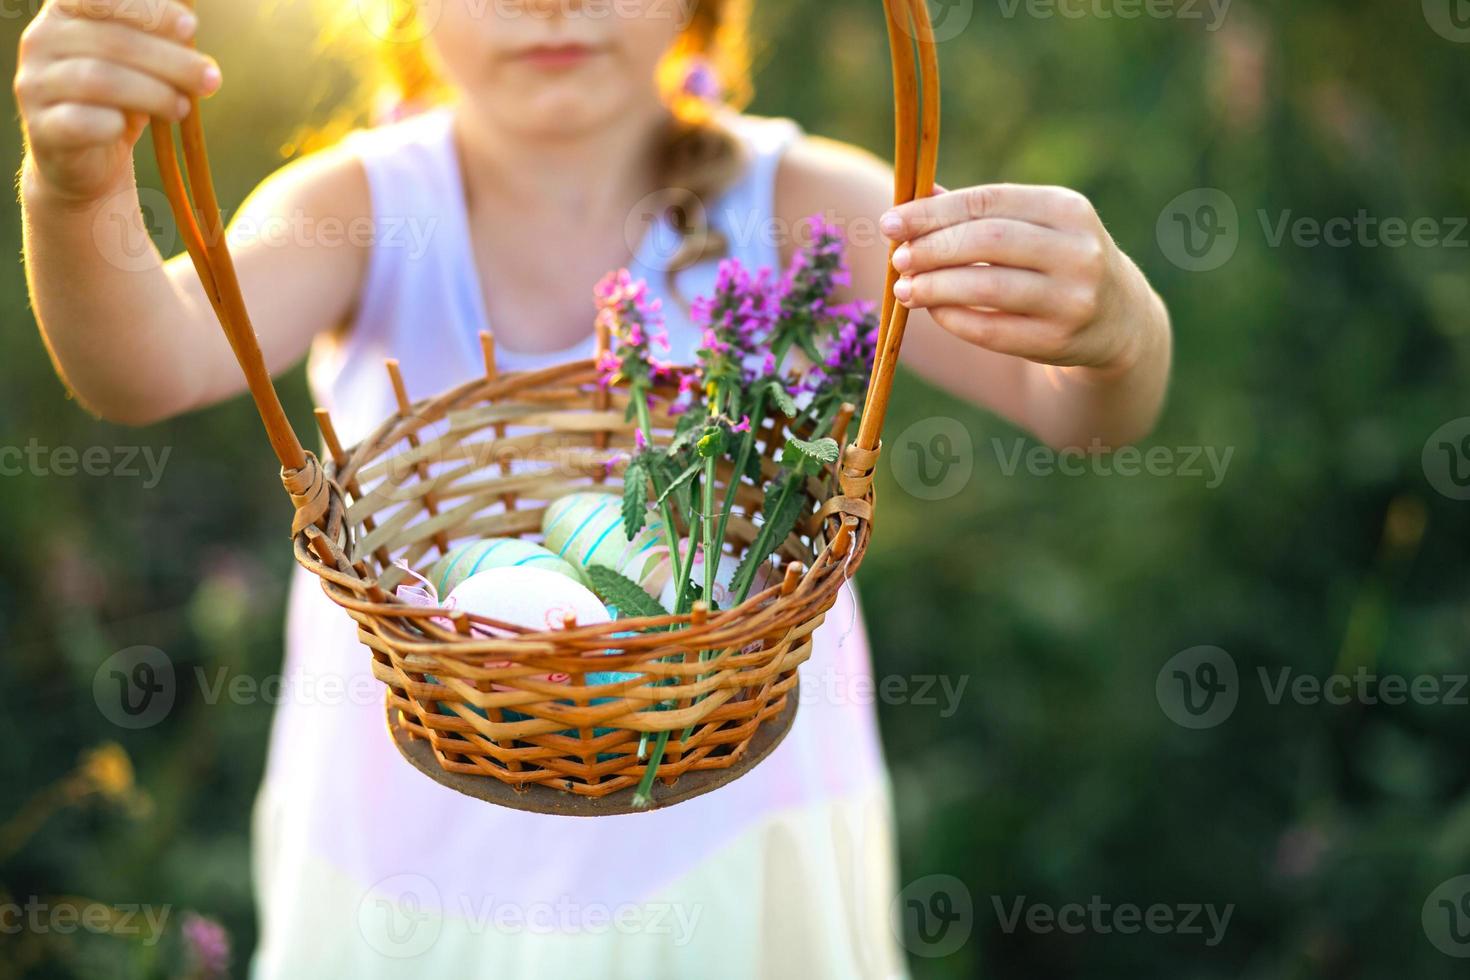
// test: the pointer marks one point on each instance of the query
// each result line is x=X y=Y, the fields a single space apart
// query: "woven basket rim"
x=758 y=614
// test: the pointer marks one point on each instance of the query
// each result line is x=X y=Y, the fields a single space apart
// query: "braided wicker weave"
x=479 y=713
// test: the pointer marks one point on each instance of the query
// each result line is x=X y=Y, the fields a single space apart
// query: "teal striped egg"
x=480 y=556
x=587 y=529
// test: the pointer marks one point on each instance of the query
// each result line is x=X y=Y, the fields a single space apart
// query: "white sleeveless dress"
x=365 y=868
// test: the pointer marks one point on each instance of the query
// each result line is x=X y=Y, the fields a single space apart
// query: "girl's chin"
x=552 y=112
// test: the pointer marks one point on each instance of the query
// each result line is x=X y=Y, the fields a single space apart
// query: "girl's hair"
x=698 y=156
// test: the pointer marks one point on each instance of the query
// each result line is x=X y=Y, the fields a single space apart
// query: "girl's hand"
x=90 y=73
x=1021 y=270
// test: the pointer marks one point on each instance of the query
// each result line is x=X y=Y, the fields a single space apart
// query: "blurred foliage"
x=1059 y=598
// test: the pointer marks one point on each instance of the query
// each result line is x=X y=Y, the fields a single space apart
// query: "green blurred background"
x=1058 y=600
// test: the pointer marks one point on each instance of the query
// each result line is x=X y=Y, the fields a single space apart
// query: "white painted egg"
x=526 y=596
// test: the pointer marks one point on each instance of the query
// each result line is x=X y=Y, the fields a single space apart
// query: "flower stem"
x=639 y=395
x=741 y=586
x=742 y=459
x=641 y=798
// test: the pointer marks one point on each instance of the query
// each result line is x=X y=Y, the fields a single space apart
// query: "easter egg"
x=527 y=596
x=478 y=556
x=537 y=599
x=587 y=529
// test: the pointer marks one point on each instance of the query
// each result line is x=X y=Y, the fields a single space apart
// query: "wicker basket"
x=478 y=714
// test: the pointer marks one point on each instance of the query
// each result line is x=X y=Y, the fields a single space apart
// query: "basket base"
x=544 y=799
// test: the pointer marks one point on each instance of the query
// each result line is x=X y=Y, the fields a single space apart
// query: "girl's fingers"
x=74 y=126
x=998 y=241
x=1053 y=207
x=89 y=81
x=162 y=18
x=1004 y=333
x=993 y=287
x=178 y=64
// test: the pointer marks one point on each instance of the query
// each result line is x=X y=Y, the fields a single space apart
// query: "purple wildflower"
x=611 y=464
x=208 y=946
x=848 y=345
x=737 y=321
x=688 y=387
x=816 y=271
x=635 y=327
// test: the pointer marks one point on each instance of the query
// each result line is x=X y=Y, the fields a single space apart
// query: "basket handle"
x=915 y=162
x=202 y=228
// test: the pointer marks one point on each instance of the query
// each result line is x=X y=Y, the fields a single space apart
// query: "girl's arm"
x=133 y=335
x=1058 y=331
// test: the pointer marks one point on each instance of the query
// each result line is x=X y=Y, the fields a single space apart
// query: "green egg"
x=587 y=529
x=479 y=556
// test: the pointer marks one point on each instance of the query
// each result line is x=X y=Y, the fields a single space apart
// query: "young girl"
x=533 y=136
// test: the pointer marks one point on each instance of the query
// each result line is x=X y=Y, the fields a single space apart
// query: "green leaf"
x=635 y=498
x=680 y=480
x=782 y=398
x=628 y=596
x=805 y=456
x=660 y=467
x=807 y=341
x=781 y=517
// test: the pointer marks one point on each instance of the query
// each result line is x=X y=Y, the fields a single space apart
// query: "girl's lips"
x=553 y=56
